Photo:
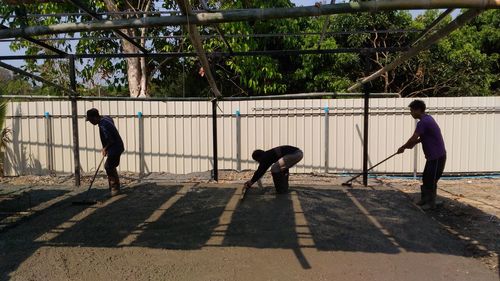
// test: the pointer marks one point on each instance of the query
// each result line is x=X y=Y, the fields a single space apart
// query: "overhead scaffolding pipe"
x=251 y=15
x=151 y=99
x=253 y=35
x=39 y=43
x=214 y=54
x=219 y=31
x=425 y=44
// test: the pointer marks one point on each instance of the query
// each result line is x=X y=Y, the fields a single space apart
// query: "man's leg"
x=441 y=162
x=432 y=172
x=427 y=182
x=280 y=170
x=113 y=180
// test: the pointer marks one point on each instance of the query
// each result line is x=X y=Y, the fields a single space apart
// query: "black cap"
x=93 y=112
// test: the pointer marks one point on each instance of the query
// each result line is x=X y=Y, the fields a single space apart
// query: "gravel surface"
x=171 y=227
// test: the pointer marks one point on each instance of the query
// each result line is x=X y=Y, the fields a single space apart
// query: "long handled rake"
x=349 y=182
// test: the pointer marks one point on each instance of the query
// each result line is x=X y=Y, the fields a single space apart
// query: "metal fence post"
x=74 y=118
x=215 y=174
x=365 y=136
x=415 y=157
x=327 y=137
x=238 y=140
x=48 y=139
x=140 y=118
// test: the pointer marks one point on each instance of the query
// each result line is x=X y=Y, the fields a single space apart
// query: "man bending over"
x=281 y=158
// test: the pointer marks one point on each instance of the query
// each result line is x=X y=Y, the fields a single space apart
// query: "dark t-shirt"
x=270 y=157
x=432 y=140
x=109 y=134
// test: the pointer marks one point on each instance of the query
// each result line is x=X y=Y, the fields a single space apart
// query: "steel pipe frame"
x=209 y=36
x=39 y=43
x=152 y=99
x=214 y=54
x=250 y=15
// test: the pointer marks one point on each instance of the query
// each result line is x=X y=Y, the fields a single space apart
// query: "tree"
x=464 y=63
x=136 y=70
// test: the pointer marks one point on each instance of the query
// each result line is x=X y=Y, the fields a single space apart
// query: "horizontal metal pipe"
x=209 y=36
x=103 y=98
x=249 y=15
x=213 y=54
x=307 y=95
x=288 y=96
x=251 y=115
x=58 y=15
x=39 y=43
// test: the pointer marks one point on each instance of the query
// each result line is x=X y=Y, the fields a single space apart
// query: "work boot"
x=428 y=206
x=431 y=200
x=114 y=185
x=423 y=196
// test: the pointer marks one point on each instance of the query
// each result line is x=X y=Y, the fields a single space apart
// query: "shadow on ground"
x=336 y=219
x=20 y=242
x=27 y=200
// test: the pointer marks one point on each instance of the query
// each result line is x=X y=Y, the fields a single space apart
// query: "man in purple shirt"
x=429 y=134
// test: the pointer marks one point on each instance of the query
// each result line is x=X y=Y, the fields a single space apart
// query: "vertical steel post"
x=327 y=137
x=215 y=173
x=48 y=139
x=74 y=118
x=141 y=143
x=415 y=157
x=365 y=136
x=238 y=140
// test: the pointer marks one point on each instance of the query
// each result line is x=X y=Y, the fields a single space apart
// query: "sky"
x=4 y=46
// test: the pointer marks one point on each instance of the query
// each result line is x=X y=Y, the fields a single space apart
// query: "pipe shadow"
x=27 y=200
x=18 y=243
x=109 y=225
x=189 y=223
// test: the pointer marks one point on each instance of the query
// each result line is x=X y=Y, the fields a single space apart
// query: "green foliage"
x=464 y=63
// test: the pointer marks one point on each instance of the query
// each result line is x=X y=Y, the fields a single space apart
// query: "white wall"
x=178 y=135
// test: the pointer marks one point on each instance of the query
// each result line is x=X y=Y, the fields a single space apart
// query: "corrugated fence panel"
x=176 y=137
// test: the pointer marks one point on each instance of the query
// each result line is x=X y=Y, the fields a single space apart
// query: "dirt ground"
x=170 y=227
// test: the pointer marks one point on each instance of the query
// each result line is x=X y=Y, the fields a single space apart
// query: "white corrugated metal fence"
x=176 y=137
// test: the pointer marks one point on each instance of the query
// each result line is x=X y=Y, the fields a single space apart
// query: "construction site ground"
x=172 y=227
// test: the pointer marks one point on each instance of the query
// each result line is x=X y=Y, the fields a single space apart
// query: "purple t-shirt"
x=432 y=140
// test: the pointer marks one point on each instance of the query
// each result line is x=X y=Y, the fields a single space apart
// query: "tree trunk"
x=134 y=73
x=144 y=91
x=136 y=67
